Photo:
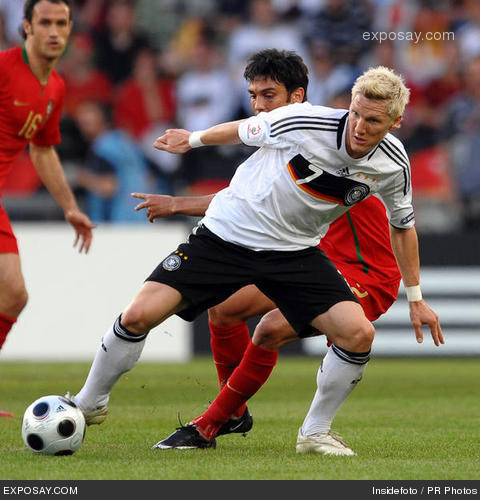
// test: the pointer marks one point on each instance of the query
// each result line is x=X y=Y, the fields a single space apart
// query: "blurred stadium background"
x=135 y=68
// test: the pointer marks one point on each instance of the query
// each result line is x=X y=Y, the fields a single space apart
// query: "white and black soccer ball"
x=53 y=425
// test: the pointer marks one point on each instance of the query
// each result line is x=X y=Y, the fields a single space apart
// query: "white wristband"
x=414 y=293
x=194 y=139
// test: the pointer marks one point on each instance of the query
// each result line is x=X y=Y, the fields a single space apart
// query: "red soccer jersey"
x=28 y=110
x=358 y=243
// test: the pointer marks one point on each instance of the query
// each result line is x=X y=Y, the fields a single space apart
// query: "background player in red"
x=358 y=243
x=31 y=97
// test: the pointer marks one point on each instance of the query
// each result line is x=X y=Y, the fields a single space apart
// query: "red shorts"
x=375 y=299
x=8 y=242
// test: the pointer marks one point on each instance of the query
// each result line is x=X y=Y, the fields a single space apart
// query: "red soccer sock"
x=245 y=381
x=228 y=347
x=6 y=324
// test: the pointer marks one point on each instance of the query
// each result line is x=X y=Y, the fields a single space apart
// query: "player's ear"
x=396 y=123
x=27 y=27
x=297 y=95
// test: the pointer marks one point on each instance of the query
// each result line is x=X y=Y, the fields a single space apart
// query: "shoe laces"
x=189 y=427
x=338 y=438
x=182 y=425
x=180 y=421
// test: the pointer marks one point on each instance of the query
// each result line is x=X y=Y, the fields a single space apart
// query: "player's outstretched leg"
x=118 y=353
x=123 y=344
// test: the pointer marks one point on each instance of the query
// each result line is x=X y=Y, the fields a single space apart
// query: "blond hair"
x=383 y=84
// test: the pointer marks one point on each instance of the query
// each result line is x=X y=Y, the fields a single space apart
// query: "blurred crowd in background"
x=134 y=68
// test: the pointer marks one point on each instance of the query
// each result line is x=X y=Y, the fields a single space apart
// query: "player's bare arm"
x=405 y=247
x=163 y=206
x=50 y=171
x=180 y=140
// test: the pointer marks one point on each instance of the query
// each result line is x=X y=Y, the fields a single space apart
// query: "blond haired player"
x=312 y=165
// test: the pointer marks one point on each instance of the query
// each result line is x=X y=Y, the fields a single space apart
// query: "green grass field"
x=408 y=419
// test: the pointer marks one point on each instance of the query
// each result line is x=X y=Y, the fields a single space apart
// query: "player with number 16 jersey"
x=31 y=99
x=28 y=110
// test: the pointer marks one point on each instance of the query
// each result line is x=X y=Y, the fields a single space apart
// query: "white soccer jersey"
x=301 y=179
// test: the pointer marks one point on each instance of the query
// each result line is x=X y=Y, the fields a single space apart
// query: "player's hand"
x=174 y=141
x=421 y=314
x=83 y=229
x=157 y=205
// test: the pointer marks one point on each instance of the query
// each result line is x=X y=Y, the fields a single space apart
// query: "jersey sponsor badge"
x=171 y=263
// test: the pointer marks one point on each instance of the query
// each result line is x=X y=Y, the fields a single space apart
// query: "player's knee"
x=21 y=299
x=134 y=320
x=15 y=301
x=362 y=337
x=267 y=336
x=219 y=315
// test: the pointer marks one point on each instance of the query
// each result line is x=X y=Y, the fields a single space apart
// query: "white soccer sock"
x=337 y=376
x=117 y=354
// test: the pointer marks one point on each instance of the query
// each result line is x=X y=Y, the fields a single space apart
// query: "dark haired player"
x=31 y=98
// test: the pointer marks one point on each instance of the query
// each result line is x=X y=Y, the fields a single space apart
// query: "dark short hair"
x=30 y=5
x=281 y=66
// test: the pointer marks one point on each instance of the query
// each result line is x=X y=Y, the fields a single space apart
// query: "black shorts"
x=207 y=270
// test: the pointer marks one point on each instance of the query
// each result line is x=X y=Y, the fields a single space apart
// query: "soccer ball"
x=53 y=425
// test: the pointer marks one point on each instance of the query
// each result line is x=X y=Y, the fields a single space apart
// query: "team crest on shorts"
x=171 y=263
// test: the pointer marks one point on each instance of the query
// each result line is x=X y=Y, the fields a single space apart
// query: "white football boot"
x=95 y=417
x=324 y=444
